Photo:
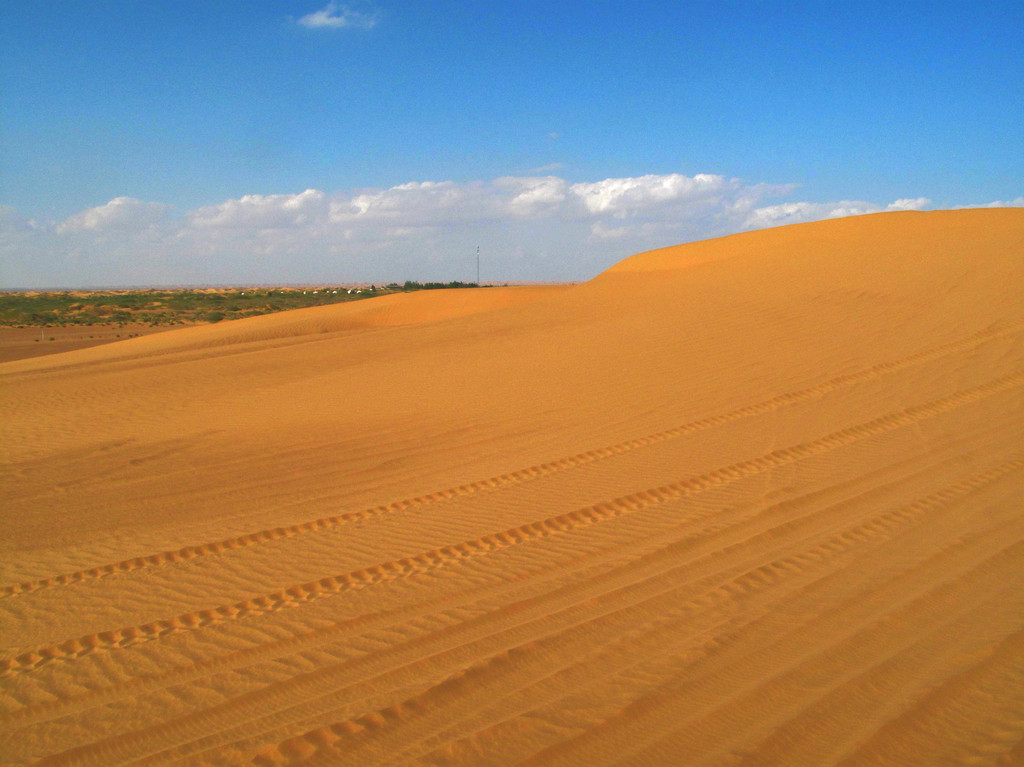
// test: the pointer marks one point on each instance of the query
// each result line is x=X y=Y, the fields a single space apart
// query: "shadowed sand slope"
x=751 y=501
x=308 y=324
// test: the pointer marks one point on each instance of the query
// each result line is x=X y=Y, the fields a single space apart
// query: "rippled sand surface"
x=751 y=501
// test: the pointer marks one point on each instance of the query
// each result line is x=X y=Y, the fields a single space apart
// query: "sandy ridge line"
x=255 y=706
x=1000 y=676
x=458 y=746
x=338 y=737
x=425 y=617
x=427 y=561
x=657 y=714
x=666 y=542
x=415 y=726
x=780 y=696
x=243 y=714
x=512 y=478
x=767 y=623
x=828 y=716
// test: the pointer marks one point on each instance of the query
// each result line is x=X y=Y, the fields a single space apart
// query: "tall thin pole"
x=478 y=266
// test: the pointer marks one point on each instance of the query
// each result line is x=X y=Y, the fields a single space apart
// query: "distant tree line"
x=184 y=306
x=411 y=285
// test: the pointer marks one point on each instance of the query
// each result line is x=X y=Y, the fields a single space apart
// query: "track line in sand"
x=511 y=478
x=428 y=561
x=747 y=713
x=687 y=535
x=979 y=735
x=829 y=727
x=466 y=690
x=376 y=738
x=738 y=581
x=659 y=713
x=766 y=624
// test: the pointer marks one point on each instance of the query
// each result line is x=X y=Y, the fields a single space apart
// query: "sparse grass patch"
x=178 y=307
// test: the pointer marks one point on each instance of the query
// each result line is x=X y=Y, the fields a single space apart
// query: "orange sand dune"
x=308 y=324
x=751 y=501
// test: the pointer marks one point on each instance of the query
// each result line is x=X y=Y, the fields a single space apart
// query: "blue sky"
x=255 y=142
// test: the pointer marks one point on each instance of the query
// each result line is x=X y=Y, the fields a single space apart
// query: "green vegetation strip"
x=179 y=307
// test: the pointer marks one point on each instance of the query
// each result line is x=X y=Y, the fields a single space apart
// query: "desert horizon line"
x=536 y=228
x=356 y=282
x=270 y=285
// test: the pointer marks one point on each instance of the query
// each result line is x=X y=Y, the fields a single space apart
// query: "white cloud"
x=257 y=211
x=797 y=212
x=11 y=222
x=620 y=197
x=333 y=16
x=426 y=203
x=599 y=231
x=914 y=203
x=638 y=200
x=533 y=195
x=1018 y=203
x=532 y=227
x=800 y=212
x=120 y=213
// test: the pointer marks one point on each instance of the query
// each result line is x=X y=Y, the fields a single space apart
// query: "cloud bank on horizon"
x=293 y=141
x=528 y=227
